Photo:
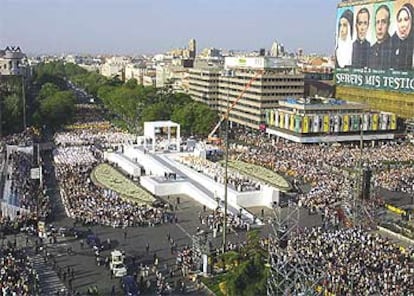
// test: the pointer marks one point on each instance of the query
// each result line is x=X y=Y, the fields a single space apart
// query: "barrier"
x=12 y=211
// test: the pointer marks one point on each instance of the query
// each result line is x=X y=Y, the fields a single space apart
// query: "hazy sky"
x=151 y=26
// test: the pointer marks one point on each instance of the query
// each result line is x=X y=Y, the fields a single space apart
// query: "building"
x=277 y=49
x=204 y=85
x=316 y=120
x=384 y=82
x=13 y=62
x=115 y=66
x=192 y=48
x=276 y=80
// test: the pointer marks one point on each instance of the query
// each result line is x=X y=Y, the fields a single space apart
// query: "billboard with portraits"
x=375 y=45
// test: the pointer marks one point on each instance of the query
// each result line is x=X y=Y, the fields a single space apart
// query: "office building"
x=276 y=79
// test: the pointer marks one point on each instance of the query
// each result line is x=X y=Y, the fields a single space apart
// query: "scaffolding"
x=289 y=273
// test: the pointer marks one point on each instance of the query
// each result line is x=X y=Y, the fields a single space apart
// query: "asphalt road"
x=83 y=260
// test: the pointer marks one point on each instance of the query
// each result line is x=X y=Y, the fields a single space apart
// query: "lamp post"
x=226 y=74
x=24 y=102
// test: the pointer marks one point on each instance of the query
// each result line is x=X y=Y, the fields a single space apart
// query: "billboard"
x=375 y=45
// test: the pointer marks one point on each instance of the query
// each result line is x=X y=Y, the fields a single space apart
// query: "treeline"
x=130 y=104
x=54 y=103
x=11 y=104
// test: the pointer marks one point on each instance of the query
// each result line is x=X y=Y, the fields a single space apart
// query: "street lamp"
x=228 y=74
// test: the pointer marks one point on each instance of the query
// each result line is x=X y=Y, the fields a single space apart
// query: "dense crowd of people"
x=92 y=135
x=24 y=138
x=214 y=220
x=75 y=158
x=349 y=261
x=91 y=204
x=22 y=187
x=331 y=176
x=215 y=171
x=17 y=275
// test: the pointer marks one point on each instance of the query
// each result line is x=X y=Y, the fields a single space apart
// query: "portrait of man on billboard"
x=361 y=46
x=381 y=51
x=403 y=38
x=343 y=52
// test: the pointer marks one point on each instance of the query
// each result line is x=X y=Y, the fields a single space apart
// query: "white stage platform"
x=198 y=186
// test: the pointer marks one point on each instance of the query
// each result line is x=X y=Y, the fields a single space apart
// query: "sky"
x=155 y=26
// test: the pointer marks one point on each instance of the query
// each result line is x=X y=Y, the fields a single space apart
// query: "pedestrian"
x=113 y=291
x=125 y=234
x=81 y=243
x=147 y=247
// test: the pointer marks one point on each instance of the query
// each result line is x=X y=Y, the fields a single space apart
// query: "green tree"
x=131 y=83
x=12 y=113
x=157 y=111
x=47 y=90
x=57 y=109
x=250 y=276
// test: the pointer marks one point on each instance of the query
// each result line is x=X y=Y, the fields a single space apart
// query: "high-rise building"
x=374 y=64
x=278 y=79
x=192 y=48
x=277 y=49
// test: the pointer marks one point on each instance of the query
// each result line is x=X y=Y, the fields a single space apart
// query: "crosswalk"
x=50 y=283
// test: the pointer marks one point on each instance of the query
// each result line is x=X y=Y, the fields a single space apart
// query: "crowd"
x=90 y=128
x=349 y=261
x=91 y=204
x=329 y=169
x=215 y=171
x=22 y=187
x=17 y=275
x=90 y=136
x=25 y=138
x=214 y=221
x=401 y=179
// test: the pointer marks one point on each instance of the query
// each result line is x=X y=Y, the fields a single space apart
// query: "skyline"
x=141 y=27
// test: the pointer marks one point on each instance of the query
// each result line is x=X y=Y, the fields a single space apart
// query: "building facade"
x=316 y=120
x=276 y=79
x=204 y=85
x=13 y=62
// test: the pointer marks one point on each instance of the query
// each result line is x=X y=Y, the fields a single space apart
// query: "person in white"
x=344 y=43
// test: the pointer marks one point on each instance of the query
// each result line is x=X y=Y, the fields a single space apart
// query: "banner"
x=375 y=45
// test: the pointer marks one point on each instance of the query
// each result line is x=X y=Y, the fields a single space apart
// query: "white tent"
x=150 y=128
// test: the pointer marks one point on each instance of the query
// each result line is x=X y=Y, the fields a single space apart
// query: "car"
x=119 y=270
x=130 y=286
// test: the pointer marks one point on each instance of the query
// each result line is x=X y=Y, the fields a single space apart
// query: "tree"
x=131 y=83
x=157 y=111
x=48 y=89
x=250 y=276
x=12 y=113
x=57 y=109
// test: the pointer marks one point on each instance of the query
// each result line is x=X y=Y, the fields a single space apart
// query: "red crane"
x=217 y=140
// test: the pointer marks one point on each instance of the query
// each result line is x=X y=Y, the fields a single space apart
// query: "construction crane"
x=211 y=137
